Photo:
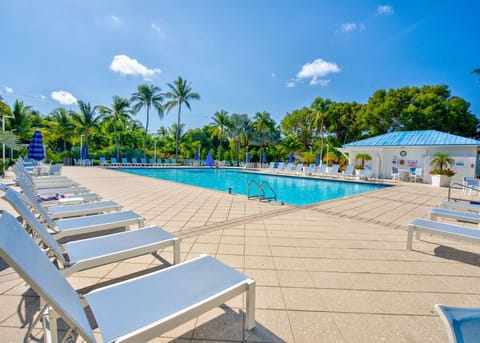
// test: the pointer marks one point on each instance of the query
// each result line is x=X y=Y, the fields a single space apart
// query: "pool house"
x=407 y=149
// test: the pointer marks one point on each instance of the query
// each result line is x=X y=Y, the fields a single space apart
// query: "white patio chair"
x=135 y=310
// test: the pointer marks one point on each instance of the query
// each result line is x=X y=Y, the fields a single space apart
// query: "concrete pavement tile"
x=313 y=327
x=271 y=327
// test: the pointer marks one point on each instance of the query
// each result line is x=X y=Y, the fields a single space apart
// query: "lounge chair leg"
x=409 y=238
x=176 y=251
x=250 y=319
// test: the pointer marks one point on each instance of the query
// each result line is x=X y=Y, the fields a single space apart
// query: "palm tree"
x=320 y=107
x=441 y=160
x=20 y=122
x=147 y=96
x=240 y=131
x=117 y=114
x=476 y=71
x=63 y=126
x=86 y=119
x=180 y=93
x=221 y=125
x=264 y=128
x=362 y=157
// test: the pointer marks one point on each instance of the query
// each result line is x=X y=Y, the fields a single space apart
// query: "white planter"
x=441 y=180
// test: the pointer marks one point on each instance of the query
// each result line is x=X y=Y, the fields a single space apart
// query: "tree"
x=20 y=122
x=180 y=93
x=86 y=119
x=299 y=123
x=264 y=129
x=220 y=126
x=441 y=160
x=320 y=108
x=117 y=114
x=63 y=126
x=240 y=131
x=362 y=157
x=147 y=96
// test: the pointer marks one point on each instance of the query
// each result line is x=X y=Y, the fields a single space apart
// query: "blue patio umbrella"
x=318 y=158
x=209 y=160
x=35 y=148
x=290 y=158
x=264 y=157
x=84 y=153
x=195 y=156
x=247 y=158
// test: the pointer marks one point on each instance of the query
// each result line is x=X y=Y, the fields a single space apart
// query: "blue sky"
x=241 y=56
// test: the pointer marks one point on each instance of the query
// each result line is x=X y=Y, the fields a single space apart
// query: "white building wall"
x=384 y=158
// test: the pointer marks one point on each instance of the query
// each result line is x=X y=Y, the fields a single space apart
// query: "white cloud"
x=317 y=68
x=9 y=90
x=63 y=97
x=319 y=82
x=112 y=21
x=161 y=33
x=349 y=27
x=129 y=66
x=291 y=84
x=384 y=9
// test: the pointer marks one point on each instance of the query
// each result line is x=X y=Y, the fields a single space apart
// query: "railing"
x=463 y=188
x=261 y=192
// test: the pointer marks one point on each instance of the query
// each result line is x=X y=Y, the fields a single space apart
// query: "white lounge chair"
x=73 y=210
x=462 y=324
x=320 y=170
x=135 y=310
x=93 y=252
x=53 y=188
x=61 y=198
x=333 y=171
x=468 y=217
x=349 y=172
x=70 y=227
x=280 y=167
x=419 y=225
x=460 y=206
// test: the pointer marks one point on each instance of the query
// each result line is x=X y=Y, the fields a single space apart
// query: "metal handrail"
x=462 y=187
x=262 y=193
x=249 y=188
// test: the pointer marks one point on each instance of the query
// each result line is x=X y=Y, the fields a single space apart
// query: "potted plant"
x=360 y=160
x=440 y=172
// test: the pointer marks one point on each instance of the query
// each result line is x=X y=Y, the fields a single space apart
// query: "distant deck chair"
x=103 y=162
x=143 y=162
x=135 y=162
x=138 y=309
x=349 y=172
x=71 y=227
x=114 y=162
x=462 y=324
x=333 y=171
x=416 y=174
x=280 y=167
x=395 y=174
x=460 y=206
x=321 y=169
x=73 y=210
x=93 y=252
x=310 y=169
x=124 y=162
x=457 y=232
x=52 y=190
x=299 y=168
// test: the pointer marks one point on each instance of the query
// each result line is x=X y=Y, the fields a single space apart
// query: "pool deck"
x=336 y=271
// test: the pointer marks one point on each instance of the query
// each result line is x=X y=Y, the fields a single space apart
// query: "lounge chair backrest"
x=113 y=160
x=334 y=169
x=124 y=160
x=34 y=203
x=143 y=161
x=134 y=160
x=28 y=260
x=349 y=170
x=151 y=161
x=13 y=198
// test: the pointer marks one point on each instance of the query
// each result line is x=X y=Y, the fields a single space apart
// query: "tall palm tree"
x=263 y=128
x=63 y=125
x=320 y=107
x=20 y=122
x=86 y=119
x=221 y=124
x=117 y=114
x=147 y=96
x=240 y=131
x=180 y=93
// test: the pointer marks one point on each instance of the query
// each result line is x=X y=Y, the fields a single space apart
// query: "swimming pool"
x=290 y=190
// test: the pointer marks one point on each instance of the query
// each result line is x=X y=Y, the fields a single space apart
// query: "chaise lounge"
x=135 y=310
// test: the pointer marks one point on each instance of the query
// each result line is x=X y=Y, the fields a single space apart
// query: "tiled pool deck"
x=333 y=272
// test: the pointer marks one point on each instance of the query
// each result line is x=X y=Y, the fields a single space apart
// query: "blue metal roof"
x=414 y=138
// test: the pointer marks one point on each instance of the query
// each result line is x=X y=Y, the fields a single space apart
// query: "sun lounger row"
x=462 y=324
x=157 y=302
x=135 y=162
x=320 y=170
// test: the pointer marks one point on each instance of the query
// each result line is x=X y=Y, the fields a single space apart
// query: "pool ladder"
x=261 y=192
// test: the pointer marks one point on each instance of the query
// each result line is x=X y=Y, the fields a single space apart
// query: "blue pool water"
x=290 y=190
